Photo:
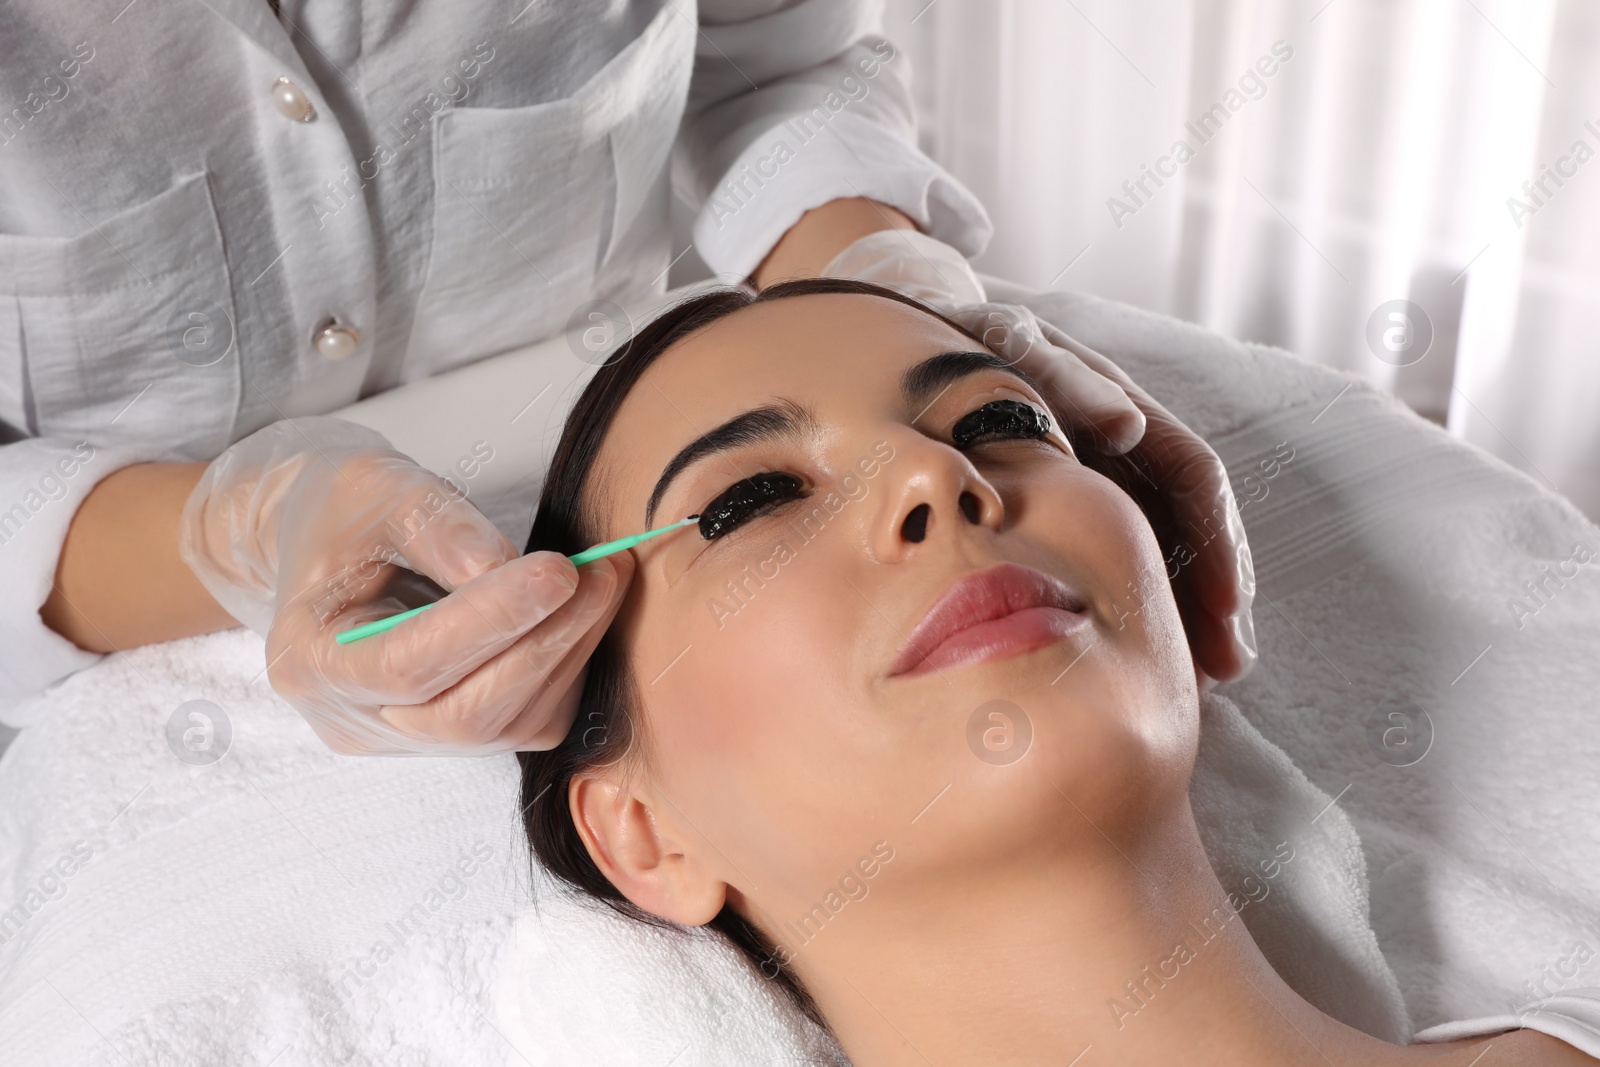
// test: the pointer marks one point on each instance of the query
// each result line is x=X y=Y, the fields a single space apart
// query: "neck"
x=1131 y=950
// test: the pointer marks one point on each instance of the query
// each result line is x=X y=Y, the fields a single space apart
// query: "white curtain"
x=1348 y=156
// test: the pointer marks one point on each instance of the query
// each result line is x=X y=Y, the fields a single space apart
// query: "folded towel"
x=1573 y=1016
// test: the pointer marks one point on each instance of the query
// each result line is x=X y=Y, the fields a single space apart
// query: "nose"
x=931 y=491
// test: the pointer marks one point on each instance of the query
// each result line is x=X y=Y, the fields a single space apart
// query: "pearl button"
x=290 y=99
x=334 y=341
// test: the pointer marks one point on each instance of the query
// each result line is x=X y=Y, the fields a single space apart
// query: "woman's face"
x=821 y=677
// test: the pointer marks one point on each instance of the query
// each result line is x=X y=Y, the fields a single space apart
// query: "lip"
x=1004 y=611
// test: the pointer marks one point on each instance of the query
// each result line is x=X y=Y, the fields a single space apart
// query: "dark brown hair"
x=604 y=727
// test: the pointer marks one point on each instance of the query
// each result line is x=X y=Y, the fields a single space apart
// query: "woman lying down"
x=901 y=551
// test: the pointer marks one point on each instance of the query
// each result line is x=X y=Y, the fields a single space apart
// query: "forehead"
x=838 y=354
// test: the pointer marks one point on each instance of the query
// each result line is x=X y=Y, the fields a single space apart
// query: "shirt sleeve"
x=795 y=103
x=43 y=480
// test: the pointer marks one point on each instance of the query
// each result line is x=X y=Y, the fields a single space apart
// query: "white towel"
x=282 y=902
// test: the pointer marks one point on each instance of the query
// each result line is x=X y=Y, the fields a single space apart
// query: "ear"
x=647 y=861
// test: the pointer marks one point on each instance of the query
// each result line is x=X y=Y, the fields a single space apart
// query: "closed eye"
x=1000 y=420
x=744 y=500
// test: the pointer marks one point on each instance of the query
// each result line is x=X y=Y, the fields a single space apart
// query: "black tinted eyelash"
x=743 y=500
x=1000 y=418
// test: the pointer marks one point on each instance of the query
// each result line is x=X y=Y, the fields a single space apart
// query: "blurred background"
x=1350 y=161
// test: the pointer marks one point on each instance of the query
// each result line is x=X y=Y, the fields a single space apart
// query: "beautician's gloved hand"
x=1216 y=581
x=313 y=526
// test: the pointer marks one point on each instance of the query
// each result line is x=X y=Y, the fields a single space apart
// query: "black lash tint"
x=1000 y=418
x=741 y=500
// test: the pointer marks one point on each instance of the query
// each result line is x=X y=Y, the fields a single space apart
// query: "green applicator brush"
x=588 y=555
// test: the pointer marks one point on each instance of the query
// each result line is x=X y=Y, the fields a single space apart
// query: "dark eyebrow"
x=925 y=382
x=783 y=419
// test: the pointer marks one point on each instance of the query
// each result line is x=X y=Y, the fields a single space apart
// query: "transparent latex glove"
x=910 y=262
x=1213 y=577
x=313 y=526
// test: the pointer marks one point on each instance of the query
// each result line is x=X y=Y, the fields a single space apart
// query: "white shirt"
x=431 y=183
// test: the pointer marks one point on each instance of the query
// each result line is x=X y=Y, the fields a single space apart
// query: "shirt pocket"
x=128 y=328
x=529 y=202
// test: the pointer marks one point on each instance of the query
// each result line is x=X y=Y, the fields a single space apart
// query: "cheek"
x=1097 y=529
x=757 y=723
x=1142 y=663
